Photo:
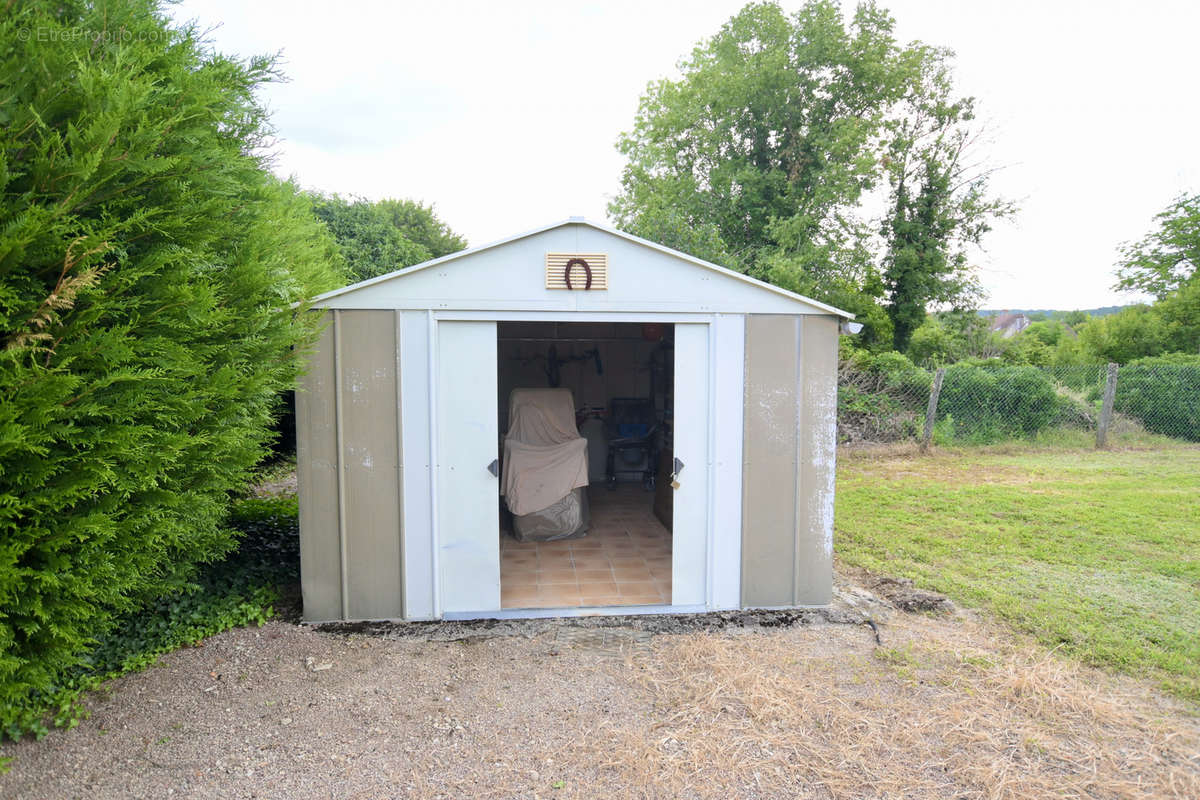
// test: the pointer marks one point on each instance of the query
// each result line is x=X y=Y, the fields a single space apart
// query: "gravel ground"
x=533 y=710
x=286 y=711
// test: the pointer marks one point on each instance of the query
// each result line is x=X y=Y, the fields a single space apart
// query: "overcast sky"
x=504 y=115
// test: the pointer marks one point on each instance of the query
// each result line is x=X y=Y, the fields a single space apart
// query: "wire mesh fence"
x=889 y=401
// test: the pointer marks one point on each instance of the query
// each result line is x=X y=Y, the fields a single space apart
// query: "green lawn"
x=1094 y=552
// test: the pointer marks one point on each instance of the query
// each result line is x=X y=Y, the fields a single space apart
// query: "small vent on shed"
x=556 y=270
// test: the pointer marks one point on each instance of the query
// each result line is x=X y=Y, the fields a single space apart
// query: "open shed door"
x=468 y=524
x=690 y=547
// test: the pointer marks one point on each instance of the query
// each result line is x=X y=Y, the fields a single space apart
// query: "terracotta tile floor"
x=624 y=560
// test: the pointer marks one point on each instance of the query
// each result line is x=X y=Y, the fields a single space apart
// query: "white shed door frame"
x=466 y=528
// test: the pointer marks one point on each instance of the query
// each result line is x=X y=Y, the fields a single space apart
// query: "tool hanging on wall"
x=554 y=363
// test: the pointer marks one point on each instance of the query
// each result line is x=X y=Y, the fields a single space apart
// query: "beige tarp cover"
x=544 y=455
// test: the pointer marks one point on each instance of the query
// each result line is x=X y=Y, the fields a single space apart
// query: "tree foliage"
x=761 y=155
x=378 y=238
x=767 y=134
x=951 y=336
x=148 y=262
x=418 y=223
x=1180 y=312
x=1163 y=264
x=1136 y=332
x=1166 y=258
x=940 y=204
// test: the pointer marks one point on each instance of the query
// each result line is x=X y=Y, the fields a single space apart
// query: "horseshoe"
x=586 y=270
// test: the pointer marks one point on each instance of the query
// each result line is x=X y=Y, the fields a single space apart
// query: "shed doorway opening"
x=589 y=405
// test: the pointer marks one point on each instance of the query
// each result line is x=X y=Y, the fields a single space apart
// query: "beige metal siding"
x=787 y=490
x=371 y=464
x=348 y=463
x=769 y=461
x=316 y=473
x=818 y=449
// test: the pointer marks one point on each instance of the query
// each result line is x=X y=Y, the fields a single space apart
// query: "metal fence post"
x=1106 y=409
x=931 y=411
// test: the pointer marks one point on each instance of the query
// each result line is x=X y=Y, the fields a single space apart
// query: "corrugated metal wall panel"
x=371 y=465
x=317 y=468
x=348 y=471
x=787 y=489
x=729 y=408
x=818 y=450
x=769 y=460
x=789 y=453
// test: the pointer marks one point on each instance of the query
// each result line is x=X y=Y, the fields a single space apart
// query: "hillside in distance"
x=1046 y=312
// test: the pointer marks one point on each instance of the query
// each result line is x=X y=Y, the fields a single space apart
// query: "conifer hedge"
x=148 y=261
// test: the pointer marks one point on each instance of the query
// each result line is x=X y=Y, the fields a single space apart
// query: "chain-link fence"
x=890 y=400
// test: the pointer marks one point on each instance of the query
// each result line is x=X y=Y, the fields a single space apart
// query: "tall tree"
x=1180 y=311
x=418 y=223
x=377 y=238
x=148 y=264
x=940 y=205
x=767 y=135
x=761 y=155
x=366 y=238
x=1168 y=256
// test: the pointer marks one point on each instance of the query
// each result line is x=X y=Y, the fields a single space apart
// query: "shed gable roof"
x=508 y=275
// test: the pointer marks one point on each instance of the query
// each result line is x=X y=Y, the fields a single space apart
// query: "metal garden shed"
x=403 y=409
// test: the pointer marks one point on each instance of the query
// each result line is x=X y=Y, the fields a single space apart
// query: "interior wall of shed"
x=597 y=361
x=624 y=351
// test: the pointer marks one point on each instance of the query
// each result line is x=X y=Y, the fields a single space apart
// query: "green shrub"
x=1028 y=350
x=239 y=589
x=933 y=343
x=147 y=264
x=1086 y=378
x=1162 y=393
x=1071 y=412
x=873 y=417
x=881 y=397
x=988 y=404
x=894 y=374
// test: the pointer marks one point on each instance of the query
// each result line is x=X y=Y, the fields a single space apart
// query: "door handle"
x=494 y=468
x=678 y=467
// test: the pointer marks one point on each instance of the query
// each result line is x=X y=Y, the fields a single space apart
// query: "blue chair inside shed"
x=632 y=441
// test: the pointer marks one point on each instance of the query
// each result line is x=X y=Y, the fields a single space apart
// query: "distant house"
x=1009 y=324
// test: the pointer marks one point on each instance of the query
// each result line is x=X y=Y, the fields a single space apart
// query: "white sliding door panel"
x=689 y=566
x=468 y=525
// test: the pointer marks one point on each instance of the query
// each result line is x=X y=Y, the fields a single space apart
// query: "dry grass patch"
x=948 y=707
x=945 y=709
